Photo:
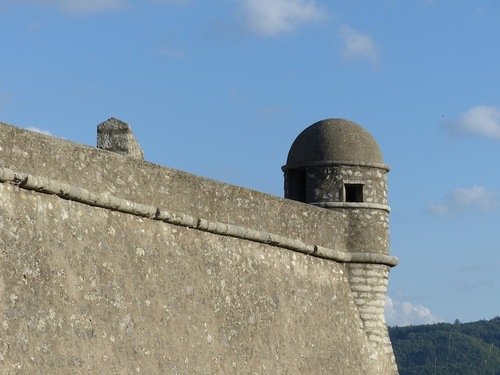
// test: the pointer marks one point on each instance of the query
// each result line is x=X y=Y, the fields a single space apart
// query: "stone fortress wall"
x=110 y=265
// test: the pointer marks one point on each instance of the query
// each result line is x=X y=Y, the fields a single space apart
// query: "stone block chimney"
x=116 y=136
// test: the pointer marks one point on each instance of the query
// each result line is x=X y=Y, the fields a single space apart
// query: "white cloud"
x=274 y=17
x=474 y=199
x=482 y=120
x=33 y=129
x=91 y=6
x=83 y=6
x=438 y=209
x=404 y=313
x=358 y=45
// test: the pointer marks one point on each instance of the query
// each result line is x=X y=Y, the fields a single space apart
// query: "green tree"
x=449 y=349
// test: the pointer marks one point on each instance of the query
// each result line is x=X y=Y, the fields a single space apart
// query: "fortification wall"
x=147 y=183
x=90 y=283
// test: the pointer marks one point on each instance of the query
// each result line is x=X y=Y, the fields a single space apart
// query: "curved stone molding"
x=368 y=205
x=327 y=163
x=108 y=201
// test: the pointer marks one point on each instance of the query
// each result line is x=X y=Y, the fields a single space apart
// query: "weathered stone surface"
x=151 y=184
x=116 y=136
x=84 y=289
x=336 y=140
x=88 y=289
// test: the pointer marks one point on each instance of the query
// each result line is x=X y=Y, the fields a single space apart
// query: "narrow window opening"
x=296 y=185
x=353 y=192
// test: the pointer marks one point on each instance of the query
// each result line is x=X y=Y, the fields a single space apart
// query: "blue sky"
x=222 y=88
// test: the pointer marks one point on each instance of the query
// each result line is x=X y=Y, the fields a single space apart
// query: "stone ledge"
x=327 y=163
x=108 y=201
x=364 y=205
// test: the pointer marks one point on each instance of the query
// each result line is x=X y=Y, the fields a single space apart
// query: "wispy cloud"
x=476 y=276
x=358 y=46
x=37 y=130
x=404 y=313
x=274 y=17
x=474 y=199
x=171 y=2
x=482 y=121
x=5 y=98
x=272 y=111
x=470 y=285
x=169 y=51
x=487 y=267
x=83 y=6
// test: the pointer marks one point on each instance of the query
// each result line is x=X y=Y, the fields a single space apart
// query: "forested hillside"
x=448 y=349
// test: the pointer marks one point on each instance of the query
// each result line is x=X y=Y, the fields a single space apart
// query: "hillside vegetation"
x=448 y=349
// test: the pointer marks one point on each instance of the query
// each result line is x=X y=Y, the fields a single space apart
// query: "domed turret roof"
x=334 y=140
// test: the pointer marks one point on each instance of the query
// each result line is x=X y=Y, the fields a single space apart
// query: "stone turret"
x=336 y=164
